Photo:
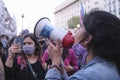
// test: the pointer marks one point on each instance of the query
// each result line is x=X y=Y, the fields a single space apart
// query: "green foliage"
x=72 y=23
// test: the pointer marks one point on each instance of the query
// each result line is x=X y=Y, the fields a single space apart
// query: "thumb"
x=68 y=64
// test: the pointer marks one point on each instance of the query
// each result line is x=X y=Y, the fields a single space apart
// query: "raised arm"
x=56 y=71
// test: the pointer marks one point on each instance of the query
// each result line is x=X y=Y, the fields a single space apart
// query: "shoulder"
x=80 y=75
x=101 y=71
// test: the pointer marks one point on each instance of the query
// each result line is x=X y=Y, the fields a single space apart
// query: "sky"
x=33 y=10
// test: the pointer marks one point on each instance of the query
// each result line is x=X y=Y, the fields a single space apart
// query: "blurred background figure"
x=2 y=74
x=69 y=60
x=11 y=41
x=25 y=31
x=43 y=44
x=1 y=48
x=4 y=39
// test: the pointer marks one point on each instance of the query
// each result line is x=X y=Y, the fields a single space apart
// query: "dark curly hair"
x=31 y=36
x=105 y=30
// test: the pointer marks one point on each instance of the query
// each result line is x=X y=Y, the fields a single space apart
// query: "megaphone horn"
x=39 y=30
x=44 y=28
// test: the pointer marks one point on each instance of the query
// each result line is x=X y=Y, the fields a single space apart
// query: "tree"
x=72 y=22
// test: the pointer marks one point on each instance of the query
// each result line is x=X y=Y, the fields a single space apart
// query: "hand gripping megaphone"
x=44 y=28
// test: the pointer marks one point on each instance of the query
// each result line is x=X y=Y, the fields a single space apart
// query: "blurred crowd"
x=94 y=55
x=24 y=57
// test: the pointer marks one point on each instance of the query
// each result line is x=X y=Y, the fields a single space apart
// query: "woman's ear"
x=88 y=40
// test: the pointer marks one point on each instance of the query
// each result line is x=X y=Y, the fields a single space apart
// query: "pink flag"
x=82 y=12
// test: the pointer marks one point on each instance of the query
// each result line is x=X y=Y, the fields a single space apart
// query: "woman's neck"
x=32 y=58
x=90 y=56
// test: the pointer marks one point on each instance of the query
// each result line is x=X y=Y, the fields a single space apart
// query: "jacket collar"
x=93 y=61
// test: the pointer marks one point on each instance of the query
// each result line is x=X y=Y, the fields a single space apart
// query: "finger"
x=50 y=44
x=16 y=44
x=18 y=50
x=12 y=44
x=68 y=64
x=15 y=47
x=58 y=43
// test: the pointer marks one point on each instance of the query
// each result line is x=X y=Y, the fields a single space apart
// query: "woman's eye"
x=27 y=43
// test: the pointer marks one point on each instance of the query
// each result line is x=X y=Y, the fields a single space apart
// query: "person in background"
x=69 y=60
x=25 y=63
x=25 y=31
x=11 y=41
x=3 y=57
x=43 y=44
x=99 y=34
x=4 y=39
x=2 y=73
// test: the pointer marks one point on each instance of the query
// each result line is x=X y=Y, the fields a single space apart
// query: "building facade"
x=95 y=4
x=112 y=6
x=65 y=11
x=71 y=8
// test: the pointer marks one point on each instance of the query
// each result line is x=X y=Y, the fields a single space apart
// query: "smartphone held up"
x=19 y=40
